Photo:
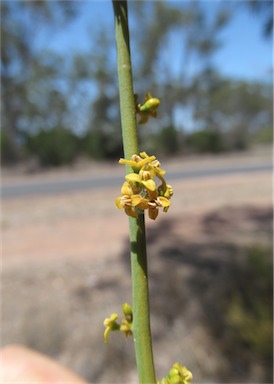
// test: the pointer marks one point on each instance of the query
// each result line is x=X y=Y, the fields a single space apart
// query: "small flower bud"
x=127 y=311
x=125 y=327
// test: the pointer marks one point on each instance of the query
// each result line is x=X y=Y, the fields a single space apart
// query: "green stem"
x=140 y=294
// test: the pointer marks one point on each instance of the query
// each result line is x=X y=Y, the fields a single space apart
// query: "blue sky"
x=245 y=53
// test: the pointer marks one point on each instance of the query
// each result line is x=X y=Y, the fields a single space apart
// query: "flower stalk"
x=140 y=293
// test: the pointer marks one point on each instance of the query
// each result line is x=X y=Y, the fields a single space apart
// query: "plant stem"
x=140 y=294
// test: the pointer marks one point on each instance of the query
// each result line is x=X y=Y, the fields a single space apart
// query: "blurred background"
x=66 y=253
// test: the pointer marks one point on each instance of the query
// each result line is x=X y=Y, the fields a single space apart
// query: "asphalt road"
x=69 y=185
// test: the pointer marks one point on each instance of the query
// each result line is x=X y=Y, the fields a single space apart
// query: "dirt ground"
x=66 y=268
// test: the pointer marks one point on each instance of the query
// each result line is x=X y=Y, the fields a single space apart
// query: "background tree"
x=196 y=34
x=236 y=109
x=263 y=9
x=46 y=89
x=21 y=64
x=103 y=134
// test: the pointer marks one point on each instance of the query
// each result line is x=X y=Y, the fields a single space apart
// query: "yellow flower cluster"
x=111 y=323
x=177 y=375
x=140 y=191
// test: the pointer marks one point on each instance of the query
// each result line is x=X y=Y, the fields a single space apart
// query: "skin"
x=22 y=365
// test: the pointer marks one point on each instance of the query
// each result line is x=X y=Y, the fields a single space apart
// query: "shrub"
x=168 y=140
x=205 y=141
x=53 y=148
x=263 y=136
x=98 y=145
x=9 y=153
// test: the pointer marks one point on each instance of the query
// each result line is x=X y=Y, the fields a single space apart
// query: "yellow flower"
x=153 y=163
x=179 y=374
x=127 y=189
x=153 y=206
x=111 y=325
x=135 y=178
x=137 y=162
x=140 y=191
x=125 y=201
x=128 y=203
x=126 y=324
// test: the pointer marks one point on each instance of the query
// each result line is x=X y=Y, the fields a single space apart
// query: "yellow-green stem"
x=140 y=294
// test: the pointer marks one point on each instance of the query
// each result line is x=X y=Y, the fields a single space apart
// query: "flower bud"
x=127 y=311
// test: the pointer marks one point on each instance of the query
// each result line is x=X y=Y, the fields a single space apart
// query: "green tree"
x=263 y=9
x=21 y=63
x=237 y=109
x=197 y=34
x=55 y=147
x=168 y=141
x=103 y=137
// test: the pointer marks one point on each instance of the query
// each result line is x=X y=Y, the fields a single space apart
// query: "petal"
x=149 y=184
x=146 y=160
x=143 y=204
x=144 y=155
x=164 y=201
x=132 y=163
x=138 y=161
x=133 y=177
x=118 y=202
x=153 y=213
x=109 y=320
x=152 y=194
x=159 y=171
x=135 y=200
x=131 y=211
x=126 y=189
x=106 y=333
